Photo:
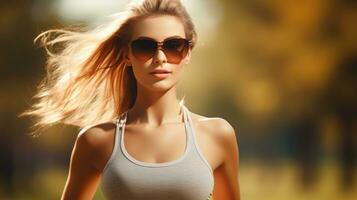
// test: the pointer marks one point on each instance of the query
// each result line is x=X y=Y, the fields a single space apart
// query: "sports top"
x=188 y=178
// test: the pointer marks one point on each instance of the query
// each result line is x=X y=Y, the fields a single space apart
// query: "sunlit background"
x=283 y=73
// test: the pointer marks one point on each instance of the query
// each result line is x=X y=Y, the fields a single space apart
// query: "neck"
x=155 y=108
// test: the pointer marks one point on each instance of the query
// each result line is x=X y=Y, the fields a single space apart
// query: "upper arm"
x=84 y=175
x=226 y=175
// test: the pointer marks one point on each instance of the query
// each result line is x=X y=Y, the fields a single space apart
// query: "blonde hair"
x=87 y=79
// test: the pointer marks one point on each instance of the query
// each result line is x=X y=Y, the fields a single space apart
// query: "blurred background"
x=283 y=73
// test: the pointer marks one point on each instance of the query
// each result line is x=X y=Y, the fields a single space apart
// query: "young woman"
x=118 y=83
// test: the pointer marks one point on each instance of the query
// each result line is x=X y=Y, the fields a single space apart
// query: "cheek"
x=138 y=66
x=178 y=69
x=139 y=72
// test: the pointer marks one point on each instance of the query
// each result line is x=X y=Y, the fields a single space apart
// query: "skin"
x=155 y=111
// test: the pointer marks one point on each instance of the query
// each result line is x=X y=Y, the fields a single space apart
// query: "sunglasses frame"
x=159 y=46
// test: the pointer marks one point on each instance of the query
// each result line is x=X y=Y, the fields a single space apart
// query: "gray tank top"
x=188 y=178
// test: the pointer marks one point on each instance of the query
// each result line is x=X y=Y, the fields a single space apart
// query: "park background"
x=283 y=73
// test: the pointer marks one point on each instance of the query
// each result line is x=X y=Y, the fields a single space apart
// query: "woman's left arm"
x=226 y=175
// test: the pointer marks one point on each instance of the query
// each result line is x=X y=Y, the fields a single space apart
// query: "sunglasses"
x=175 y=49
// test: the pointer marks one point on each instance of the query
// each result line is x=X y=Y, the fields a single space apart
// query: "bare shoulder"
x=89 y=155
x=97 y=134
x=218 y=127
x=97 y=141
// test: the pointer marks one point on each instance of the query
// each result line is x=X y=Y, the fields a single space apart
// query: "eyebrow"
x=171 y=37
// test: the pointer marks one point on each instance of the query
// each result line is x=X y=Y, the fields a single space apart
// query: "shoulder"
x=220 y=131
x=97 y=142
x=95 y=135
x=218 y=127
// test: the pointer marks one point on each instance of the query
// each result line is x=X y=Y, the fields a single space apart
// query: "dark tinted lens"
x=175 y=49
x=143 y=49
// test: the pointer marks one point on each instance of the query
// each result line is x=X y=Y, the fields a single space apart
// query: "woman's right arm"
x=84 y=173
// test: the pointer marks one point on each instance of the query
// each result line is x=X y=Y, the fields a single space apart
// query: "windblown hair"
x=87 y=79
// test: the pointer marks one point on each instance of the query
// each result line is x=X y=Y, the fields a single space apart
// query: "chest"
x=126 y=180
x=168 y=143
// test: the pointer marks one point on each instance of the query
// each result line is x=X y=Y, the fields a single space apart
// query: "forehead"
x=158 y=27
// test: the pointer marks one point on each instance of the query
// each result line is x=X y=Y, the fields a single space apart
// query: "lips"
x=160 y=71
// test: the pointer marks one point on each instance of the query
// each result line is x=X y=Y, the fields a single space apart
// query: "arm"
x=83 y=177
x=226 y=175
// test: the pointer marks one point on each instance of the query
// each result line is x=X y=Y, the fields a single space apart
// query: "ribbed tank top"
x=190 y=177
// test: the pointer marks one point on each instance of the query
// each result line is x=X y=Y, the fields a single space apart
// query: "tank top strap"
x=121 y=119
x=117 y=139
x=120 y=124
x=192 y=134
x=188 y=125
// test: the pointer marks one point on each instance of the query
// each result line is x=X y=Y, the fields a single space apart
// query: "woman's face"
x=157 y=28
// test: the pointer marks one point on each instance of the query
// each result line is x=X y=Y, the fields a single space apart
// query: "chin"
x=161 y=86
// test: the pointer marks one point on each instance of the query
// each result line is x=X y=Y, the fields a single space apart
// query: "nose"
x=159 y=56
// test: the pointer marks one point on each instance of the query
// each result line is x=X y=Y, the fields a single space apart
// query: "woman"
x=120 y=80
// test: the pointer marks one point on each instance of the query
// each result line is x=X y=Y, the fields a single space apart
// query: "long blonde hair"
x=87 y=79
